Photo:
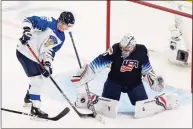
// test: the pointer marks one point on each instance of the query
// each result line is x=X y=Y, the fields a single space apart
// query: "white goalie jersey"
x=46 y=38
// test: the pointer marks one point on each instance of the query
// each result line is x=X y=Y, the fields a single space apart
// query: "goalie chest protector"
x=127 y=72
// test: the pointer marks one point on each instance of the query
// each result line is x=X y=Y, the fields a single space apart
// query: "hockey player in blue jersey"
x=45 y=35
x=129 y=65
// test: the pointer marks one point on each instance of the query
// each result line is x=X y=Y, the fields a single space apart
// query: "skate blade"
x=27 y=105
x=35 y=118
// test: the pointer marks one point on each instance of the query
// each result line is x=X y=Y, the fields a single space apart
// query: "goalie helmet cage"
x=108 y=22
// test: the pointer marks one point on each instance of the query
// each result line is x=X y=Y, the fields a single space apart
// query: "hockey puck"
x=83 y=100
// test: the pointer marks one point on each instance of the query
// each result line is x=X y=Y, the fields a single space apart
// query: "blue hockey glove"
x=48 y=69
x=26 y=35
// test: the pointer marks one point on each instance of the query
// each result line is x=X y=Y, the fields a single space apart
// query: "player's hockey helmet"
x=67 y=18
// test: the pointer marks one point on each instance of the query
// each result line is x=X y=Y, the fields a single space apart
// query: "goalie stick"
x=59 y=116
x=80 y=114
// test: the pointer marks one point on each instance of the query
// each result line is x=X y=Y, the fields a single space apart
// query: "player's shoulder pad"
x=142 y=47
x=40 y=22
x=46 y=19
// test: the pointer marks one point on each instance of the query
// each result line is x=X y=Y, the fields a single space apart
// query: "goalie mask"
x=127 y=45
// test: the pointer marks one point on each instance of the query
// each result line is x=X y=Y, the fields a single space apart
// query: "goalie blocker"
x=129 y=64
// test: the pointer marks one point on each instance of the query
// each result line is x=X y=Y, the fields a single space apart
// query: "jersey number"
x=46 y=18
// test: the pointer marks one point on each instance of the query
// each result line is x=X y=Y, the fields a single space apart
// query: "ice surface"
x=89 y=35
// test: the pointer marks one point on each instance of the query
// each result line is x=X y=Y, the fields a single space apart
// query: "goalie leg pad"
x=104 y=106
x=156 y=105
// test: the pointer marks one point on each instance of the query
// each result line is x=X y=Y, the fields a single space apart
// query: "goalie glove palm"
x=155 y=82
x=83 y=75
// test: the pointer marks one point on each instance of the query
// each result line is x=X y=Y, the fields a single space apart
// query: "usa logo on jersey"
x=128 y=65
x=51 y=41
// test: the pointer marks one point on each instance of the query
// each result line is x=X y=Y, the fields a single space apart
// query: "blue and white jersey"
x=46 y=39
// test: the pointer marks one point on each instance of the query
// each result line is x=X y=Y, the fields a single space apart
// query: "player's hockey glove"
x=26 y=35
x=48 y=69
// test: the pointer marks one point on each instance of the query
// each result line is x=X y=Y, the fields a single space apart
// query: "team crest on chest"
x=51 y=41
x=128 y=65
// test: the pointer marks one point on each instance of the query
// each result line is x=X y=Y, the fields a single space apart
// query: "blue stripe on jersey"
x=38 y=22
x=146 y=67
x=56 y=48
x=99 y=62
x=59 y=34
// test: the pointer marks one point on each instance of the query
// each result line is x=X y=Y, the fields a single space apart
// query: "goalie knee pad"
x=156 y=105
x=105 y=106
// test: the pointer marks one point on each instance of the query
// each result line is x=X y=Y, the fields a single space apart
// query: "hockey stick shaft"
x=17 y=112
x=42 y=66
x=86 y=87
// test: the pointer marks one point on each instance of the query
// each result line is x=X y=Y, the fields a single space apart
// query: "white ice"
x=150 y=28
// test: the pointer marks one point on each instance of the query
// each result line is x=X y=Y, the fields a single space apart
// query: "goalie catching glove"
x=83 y=76
x=155 y=82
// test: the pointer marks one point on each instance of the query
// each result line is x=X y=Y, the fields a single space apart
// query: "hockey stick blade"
x=59 y=116
x=86 y=115
x=99 y=118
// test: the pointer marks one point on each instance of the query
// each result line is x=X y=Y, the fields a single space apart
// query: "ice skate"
x=27 y=101
x=38 y=114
